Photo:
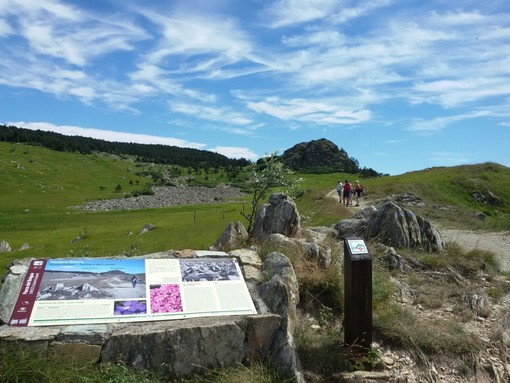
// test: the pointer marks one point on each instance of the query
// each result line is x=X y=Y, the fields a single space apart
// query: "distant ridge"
x=160 y=154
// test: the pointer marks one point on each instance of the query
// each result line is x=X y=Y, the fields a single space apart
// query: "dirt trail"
x=496 y=242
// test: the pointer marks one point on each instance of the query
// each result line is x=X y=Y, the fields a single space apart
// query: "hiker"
x=339 y=190
x=134 y=280
x=358 y=190
x=347 y=188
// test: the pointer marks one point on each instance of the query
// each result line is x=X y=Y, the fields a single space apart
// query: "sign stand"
x=358 y=294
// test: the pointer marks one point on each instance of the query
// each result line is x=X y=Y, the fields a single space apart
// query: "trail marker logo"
x=358 y=246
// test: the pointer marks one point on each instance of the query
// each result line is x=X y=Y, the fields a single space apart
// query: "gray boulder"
x=280 y=215
x=4 y=247
x=291 y=247
x=281 y=295
x=365 y=213
x=318 y=253
x=399 y=227
x=233 y=237
x=350 y=227
x=147 y=228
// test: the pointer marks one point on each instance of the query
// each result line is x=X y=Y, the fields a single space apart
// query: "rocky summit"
x=318 y=156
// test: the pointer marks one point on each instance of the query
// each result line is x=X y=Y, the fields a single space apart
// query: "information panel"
x=84 y=291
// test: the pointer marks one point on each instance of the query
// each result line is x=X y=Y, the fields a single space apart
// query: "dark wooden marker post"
x=358 y=294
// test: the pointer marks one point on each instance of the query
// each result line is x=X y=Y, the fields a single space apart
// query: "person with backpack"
x=358 y=190
x=347 y=188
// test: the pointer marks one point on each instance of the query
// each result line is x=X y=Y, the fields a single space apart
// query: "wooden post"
x=358 y=294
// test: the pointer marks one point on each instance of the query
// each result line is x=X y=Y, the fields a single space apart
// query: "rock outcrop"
x=281 y=295
x=233 y=237
x=280 y=216
x=310 y=156
x=399 y=227
x=392 y=225
x=5 y=247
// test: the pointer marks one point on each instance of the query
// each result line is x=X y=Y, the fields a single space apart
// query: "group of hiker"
x=346 y=191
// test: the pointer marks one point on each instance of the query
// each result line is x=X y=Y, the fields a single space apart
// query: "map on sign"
x=83 y=291
x=357 y=246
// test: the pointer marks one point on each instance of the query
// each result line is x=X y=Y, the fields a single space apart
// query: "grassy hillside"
x=39 y=185
x=447 y=193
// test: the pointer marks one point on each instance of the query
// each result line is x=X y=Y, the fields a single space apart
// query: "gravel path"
x=497 y=242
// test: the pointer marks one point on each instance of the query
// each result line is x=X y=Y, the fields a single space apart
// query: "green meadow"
x=40 y=186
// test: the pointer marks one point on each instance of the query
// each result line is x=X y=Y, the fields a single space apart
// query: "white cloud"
x=288 y=12
x=208 y=42
x=235 y=152
x=5 y=28
x=439 y=123
x=318 y=112
x=54 y=29
x=210 y=113
x=107 y=135
x=449 y=159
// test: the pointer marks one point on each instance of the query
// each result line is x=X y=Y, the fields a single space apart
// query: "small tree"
x=264 y=175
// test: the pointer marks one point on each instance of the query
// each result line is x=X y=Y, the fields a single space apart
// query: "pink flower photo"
x=165 y=299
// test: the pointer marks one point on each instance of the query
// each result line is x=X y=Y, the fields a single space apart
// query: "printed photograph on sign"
x=131 y=307
x=92 y=279
x=165 y=298
x=196 y=270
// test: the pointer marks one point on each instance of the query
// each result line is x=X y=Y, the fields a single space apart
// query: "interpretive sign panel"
x=83 y=291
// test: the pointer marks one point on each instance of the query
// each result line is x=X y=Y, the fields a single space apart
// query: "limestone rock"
x=233 y=237
x=147 y=228
x=251 y=264
x=317 y=234
x=281 y=295
x=480 y=304
x=280 y=243
x=4 y=247
x=351 y=227
x=399 y=227
x=280 y=215
x=319 y=253
x=365 y=213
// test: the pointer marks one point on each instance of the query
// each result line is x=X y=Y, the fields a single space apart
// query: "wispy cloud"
x=450 y=159
x=433 y=125
x=318 y=112
x=51 y=28
x=288 y=12
x=210 y=113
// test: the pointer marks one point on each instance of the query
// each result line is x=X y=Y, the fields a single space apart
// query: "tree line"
x=159 y=154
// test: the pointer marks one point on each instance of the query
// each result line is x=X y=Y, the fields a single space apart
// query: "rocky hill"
x=319 y=156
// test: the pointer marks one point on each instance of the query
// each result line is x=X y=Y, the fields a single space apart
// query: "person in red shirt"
x=347 y=193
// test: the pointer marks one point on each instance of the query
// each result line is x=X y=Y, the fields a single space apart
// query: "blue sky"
x=400 y=85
